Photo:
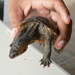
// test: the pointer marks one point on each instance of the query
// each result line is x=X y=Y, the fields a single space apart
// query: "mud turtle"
x=34 y=29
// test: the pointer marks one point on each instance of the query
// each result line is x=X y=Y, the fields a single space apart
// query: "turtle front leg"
x=47 y=52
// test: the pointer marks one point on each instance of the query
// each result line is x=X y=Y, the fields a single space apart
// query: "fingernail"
x=13 y=32
x=60 y=45
x=67 y=19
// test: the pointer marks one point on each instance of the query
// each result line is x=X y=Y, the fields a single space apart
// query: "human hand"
x=51 y=9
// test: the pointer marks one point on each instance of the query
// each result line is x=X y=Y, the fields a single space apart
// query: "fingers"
x=61 y=8
x=64 y=31
x=15 y=15
x=17 y=12
x=64 y=28
x=26 y=7
x=15 y=18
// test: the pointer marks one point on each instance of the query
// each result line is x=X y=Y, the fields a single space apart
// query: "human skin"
x=55 y=10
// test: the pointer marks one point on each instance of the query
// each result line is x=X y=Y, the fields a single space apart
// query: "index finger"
x=61 y=8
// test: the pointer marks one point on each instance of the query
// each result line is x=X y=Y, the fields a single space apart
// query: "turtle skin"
x=34 y=29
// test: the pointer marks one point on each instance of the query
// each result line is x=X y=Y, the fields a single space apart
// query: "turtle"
x=35 y=29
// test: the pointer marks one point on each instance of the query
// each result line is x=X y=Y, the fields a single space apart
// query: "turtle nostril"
x=12 y=54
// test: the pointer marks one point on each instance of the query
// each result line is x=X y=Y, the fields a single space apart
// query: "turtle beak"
x=12 y=54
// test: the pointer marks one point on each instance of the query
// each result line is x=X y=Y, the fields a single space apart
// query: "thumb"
x=16 y=16
x=15 y=19
x=14 y=32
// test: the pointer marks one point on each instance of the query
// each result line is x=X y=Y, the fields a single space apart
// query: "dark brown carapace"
x=35 y=29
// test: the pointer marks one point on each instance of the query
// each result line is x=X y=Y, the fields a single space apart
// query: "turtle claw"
x=45 y=62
